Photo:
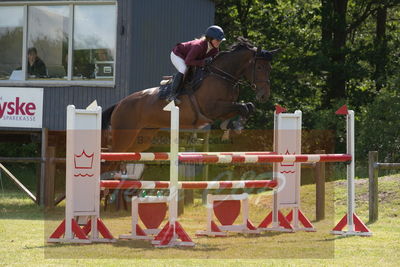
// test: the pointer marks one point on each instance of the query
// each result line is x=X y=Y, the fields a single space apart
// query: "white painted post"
x=354 y=224
x=350 y=171
x=210 y=206
x=174 y=165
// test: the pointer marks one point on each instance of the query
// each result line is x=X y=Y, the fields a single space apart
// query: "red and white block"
x=82 y=233
x=226 y=209
x=151 y=211
x=285 y=222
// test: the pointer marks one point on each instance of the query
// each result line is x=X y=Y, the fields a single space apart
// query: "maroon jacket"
x=194 y=52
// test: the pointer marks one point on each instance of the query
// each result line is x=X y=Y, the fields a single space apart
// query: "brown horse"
x=137 y=118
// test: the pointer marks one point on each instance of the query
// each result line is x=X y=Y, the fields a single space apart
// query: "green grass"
x=23 y=231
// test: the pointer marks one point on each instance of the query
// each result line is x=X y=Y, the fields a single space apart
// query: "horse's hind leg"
x=123 y=140
x=144 y=140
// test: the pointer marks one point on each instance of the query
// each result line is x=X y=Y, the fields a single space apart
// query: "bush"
x=379 y=127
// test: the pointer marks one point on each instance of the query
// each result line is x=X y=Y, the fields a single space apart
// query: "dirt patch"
x=384 y=196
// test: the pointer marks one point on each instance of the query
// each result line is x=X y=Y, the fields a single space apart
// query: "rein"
x=236 y=81
x=225 y=76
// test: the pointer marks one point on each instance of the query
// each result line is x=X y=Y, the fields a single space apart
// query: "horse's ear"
x=259 y=49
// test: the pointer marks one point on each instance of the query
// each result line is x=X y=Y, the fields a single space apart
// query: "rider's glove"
x=208 y=61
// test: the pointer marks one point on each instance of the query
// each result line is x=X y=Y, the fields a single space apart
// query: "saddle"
x=192 y=81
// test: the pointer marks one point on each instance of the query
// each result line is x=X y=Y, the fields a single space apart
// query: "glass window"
x=48 y=28
x=11 y=38
x=38 y=38
x=94 y=42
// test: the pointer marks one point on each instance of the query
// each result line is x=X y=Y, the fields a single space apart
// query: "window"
x=94 y=48
x=11 y=34
x=65 y=42
x=47 y=42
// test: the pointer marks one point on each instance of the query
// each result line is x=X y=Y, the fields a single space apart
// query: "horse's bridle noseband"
x=259 y=55
x=254 y=82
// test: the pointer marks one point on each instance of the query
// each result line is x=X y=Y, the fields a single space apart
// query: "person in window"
x=194 y=53
x=103 y=55
x=36 y=66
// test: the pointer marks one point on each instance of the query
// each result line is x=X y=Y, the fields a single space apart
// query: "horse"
x=136 y=119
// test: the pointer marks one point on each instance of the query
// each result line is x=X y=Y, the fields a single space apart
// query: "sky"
x=94 y=25
x=11 y=16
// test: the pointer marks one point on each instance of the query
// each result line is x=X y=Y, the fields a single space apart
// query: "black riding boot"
x=176 y=84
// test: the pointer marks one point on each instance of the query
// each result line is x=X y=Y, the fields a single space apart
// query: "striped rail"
x=232 y=157
x=116 y=184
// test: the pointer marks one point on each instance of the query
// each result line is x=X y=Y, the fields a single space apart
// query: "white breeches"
x=179 y=63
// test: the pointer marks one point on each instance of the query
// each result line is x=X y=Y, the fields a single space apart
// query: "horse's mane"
x=242 y=43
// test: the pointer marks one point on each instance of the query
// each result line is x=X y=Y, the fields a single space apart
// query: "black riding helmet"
x=215 y=32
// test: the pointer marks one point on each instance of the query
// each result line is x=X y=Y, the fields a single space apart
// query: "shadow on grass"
x=146 y=245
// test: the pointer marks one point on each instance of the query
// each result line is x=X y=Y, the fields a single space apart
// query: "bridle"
x=258 y=56
x=236 y=82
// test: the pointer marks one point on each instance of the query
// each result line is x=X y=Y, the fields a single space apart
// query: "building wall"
x=146 y=32
x=155 y=27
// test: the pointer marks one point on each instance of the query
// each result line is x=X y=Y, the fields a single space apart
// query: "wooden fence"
x=373 y=170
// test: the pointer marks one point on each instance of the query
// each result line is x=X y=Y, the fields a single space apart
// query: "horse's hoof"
x=250 y=107
x=238 y=132
x=225 y=136
x=238 y=126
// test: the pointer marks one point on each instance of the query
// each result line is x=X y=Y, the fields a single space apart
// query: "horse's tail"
x=106 y=117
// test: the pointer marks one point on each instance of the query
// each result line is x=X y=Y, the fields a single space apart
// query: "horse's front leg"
x=228 y=109
x=233 y=114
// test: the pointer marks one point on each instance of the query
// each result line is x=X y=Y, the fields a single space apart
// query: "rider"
x=197 y=52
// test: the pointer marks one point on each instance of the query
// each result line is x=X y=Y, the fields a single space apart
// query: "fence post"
x=319 y=174
x=373 y=185
x=206 y=148
x=44 y=145
x=50 y=177
x=38 y=171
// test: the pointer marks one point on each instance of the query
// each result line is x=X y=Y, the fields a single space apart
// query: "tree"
x=341 y=18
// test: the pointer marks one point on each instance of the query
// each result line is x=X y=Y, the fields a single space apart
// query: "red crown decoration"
x=287 y=164
x=83 y=161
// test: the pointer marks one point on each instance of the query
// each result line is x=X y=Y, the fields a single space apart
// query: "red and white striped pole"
x=224 y=158
x=131 y=184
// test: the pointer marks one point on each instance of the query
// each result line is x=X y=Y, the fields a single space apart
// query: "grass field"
x=23 y=230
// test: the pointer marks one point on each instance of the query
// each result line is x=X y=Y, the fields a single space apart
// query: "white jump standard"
x=82 y=179
x=354 y=224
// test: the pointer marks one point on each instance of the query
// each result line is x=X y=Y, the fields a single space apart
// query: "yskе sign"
x=21 y=107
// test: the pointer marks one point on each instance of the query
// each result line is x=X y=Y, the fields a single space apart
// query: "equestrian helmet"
x=215 y=32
